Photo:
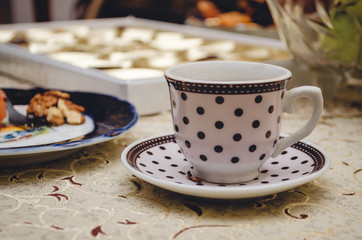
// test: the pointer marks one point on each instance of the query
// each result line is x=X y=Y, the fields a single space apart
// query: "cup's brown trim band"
x=228 y=88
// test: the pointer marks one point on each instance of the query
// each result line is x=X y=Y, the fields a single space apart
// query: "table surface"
x=90 y=194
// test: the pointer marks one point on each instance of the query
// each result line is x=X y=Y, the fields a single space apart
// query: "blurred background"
x=20 y=11
x=230 y=13
x=324 y=37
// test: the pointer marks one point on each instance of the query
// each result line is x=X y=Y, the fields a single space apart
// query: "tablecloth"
x=91 y=195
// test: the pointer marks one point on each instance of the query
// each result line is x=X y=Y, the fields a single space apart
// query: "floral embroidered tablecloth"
x=91 y=195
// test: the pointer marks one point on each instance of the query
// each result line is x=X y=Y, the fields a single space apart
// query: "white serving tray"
x=148 y=95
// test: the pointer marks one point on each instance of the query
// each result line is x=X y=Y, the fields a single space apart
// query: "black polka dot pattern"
x=200 y=110
x=268 y=134
x=235 y=160
x=219 y=124
x=256 y=124
x=238 y=112
x=218 y=149
x=271 y=109
x=203 y=157
x=222 y=115
x=219 y=100
x=237 y=137
x=252 y=148
x=258 y=99
x=201 y=135
x=183 y=96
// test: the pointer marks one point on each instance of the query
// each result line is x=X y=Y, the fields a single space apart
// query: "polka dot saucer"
x=159 y=161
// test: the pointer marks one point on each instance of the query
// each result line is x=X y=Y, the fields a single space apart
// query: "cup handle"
x=315 y=95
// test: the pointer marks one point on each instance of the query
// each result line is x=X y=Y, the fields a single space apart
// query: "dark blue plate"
x=111 y=117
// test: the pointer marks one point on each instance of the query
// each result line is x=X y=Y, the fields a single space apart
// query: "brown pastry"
x=55 y=108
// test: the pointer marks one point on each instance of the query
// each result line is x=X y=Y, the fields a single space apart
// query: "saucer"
x=159 y=161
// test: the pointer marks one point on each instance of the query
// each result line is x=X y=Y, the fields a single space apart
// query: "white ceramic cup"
x=227 y=116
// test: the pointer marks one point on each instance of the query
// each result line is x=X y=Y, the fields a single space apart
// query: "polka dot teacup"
x=227 y=116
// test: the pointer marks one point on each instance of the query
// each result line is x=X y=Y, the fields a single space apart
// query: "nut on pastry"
x=57 y=93
x=55 y=116
x=72 y=112
x=55 y=108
